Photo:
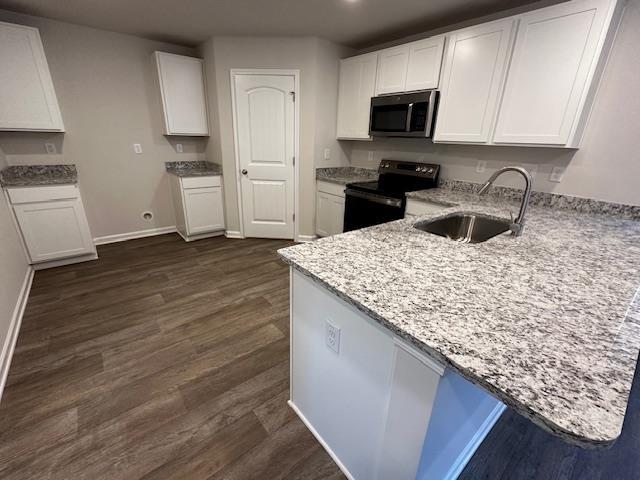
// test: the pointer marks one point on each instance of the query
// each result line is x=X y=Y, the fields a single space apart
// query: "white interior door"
x=265 y=125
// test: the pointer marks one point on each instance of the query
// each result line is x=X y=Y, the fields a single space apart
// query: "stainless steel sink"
x=465 y=227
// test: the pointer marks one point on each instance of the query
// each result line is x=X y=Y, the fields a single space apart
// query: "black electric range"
x=384 y=200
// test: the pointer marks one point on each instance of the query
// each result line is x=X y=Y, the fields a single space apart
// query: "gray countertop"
x=344 y=175
x=547 y=322
x=198 y=168
x=34 y=175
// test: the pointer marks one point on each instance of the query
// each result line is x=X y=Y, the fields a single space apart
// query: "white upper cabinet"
x=357 y=84
x=409 y=67
x=554 y=60
x=27 y=99
x=392 y=69
x=474 y=69
x=184 y=99
x=425 y=60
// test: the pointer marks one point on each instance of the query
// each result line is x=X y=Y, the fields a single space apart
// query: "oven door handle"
x=391 y=202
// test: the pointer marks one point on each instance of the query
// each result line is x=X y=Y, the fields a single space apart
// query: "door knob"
x=244 y=171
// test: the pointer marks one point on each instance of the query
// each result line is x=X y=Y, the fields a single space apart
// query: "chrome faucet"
x=516 y=225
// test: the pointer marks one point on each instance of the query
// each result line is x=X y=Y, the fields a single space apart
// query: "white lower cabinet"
x=382 y=409
x=371 y=401
x=198 y=206
x=419 y=207
x=52 y=222
x=329 y=209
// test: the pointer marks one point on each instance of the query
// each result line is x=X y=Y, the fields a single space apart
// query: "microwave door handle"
x=409 y=115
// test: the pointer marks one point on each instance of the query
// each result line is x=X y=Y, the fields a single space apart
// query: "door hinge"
x=294 y=161
x=293 y=95
x=294 y=217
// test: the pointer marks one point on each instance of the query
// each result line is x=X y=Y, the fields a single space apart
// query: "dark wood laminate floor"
x=160 y=360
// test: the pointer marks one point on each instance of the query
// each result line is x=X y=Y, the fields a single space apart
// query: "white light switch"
x=327 y=154
x=50 y=148
x=557 y=174
x=481 y=166
x=179 y=148
x=333 y=337
x=137 y=148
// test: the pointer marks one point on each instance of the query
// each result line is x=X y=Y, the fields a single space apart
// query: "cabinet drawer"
x=331 y=188
x=42 y=194
x=200 y=182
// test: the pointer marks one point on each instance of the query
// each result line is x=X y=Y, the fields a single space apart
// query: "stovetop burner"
x=396 y=178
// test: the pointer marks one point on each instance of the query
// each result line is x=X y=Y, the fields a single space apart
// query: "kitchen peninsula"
x=406 y=346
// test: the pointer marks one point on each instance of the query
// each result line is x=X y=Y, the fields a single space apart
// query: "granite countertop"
x=34 y=175
x=197 y=168
x=344 y=175
x=548 y=322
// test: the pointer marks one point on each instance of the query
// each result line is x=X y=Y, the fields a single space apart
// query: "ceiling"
x=356 y=23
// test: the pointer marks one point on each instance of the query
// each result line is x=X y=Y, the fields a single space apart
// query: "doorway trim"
x=296 y=139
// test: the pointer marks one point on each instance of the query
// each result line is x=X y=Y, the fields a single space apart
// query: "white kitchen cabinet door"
x=392 y=69
x=54 y=230
x=27 y=98
x=474 y=69
x=329 y=214
x=554 y=59
x=357 y=86
x=425 y=60
x=184 y=99
x=203 y=209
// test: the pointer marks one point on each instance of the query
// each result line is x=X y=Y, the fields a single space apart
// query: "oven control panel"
x=415 y=169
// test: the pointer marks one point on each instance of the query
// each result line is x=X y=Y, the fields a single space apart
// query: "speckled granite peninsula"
x=344 y=175
x=196 y=168
x=548 y=322
x=33 y=175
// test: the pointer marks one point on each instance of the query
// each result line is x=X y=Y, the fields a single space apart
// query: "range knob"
x=430 y=170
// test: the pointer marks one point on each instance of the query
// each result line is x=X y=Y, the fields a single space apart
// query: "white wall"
x=606 y=167
x=13 y=268
x=317 y=61
x=108 y=94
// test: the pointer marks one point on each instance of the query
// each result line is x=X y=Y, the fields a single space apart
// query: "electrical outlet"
x=481 y=166
x=137 y=148
x=179 y=148
x=557 y=174
x=50 y=148
x=327 y=154
x=333 y=337
x=370 y=157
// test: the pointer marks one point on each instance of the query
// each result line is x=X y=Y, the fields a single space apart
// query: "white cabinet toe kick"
x=381 y=409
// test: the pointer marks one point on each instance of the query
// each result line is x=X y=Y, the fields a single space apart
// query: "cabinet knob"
x=244 y=171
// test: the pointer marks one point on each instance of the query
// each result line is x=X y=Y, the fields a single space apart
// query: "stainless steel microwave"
x=403 y=115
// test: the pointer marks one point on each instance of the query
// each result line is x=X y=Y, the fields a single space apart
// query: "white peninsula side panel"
x=371 y=399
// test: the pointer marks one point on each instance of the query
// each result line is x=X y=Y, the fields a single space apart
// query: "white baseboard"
x=123 y=237
x=233 y=234
x=321 y=441
x=474 y=443
x=202 y=236
x=14 y=328
x=64 y=261
x=306 y=238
